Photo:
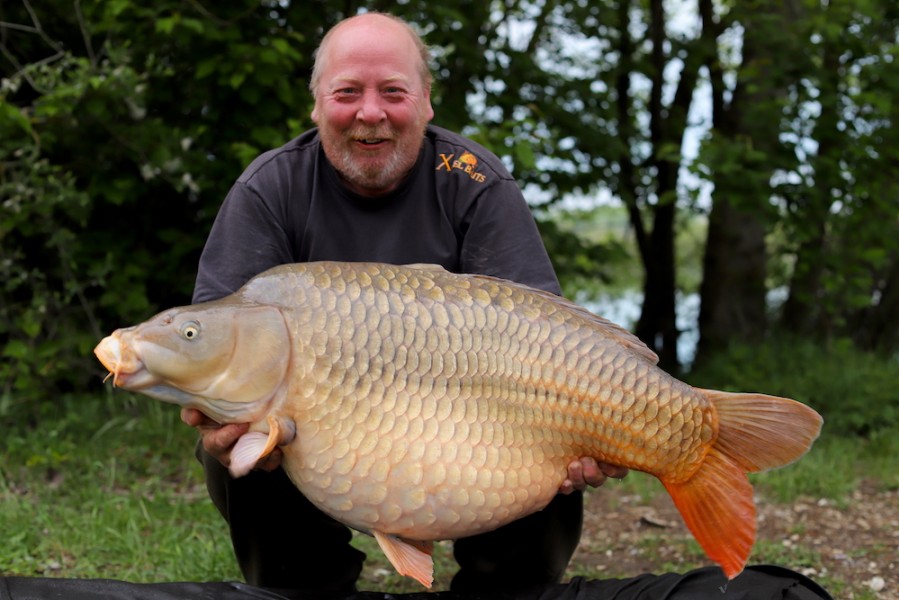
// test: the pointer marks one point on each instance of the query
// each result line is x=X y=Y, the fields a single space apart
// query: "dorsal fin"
x=426 y=267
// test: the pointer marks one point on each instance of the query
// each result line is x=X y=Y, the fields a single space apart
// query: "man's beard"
x=373 y=175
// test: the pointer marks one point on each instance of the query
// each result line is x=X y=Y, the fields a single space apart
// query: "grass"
x=109 y=488
x=834 y=467
x=87 y=494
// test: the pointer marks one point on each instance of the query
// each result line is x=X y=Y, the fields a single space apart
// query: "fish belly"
x=437 y=409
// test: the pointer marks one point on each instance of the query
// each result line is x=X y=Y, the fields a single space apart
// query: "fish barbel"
x=420 y=405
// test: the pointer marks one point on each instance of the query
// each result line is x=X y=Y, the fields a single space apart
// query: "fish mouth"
x=127 y=371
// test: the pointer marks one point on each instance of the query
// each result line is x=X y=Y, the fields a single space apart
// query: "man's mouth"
x=369 y=137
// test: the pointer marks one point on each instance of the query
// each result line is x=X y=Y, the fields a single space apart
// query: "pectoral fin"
x=256 y=445
x=411 y=558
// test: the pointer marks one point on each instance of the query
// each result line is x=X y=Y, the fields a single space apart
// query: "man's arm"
x=247 y=237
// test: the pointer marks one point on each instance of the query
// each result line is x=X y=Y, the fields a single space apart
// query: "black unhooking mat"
x=761 y=582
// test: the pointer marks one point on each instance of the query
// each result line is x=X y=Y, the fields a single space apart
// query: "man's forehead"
x=364 y=57
x=357 y=77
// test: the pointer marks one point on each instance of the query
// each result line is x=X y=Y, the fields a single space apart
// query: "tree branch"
x=539 y=25
x=85 y=34
x=37 y=29
x=218 y=20
x=626 y=178
x=18 y=27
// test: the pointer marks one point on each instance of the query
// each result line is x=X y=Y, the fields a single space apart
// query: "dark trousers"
x=282 y=541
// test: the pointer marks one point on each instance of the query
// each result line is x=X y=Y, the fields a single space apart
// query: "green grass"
x=87 y=494
x=833 y=469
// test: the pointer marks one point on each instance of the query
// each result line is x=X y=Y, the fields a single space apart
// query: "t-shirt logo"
x=467 y=163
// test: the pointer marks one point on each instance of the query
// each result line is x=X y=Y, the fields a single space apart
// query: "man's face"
x=371 y=105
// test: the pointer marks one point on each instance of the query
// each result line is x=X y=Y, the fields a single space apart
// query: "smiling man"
x=375 y=181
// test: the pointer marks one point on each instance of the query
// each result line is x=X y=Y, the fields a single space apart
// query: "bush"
x=113 y=162
x=854 y=391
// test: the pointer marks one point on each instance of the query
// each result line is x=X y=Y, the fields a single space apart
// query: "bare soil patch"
x=852 y=550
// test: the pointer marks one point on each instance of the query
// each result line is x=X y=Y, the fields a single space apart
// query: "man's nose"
x=371 y=110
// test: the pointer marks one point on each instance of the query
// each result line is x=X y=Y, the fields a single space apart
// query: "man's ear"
x=427 y=95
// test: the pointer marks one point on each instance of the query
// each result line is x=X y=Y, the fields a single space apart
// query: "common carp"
x=419 y=405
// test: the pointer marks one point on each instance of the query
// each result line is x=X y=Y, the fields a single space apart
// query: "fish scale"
x=418 y=405
x=495 y=395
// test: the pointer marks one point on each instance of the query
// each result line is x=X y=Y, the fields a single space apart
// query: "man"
x=374 y=182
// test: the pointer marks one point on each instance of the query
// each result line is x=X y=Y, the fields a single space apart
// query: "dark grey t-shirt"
x=459 y=208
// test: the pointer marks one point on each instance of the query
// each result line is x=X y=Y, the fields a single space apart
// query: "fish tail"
x=755 y=432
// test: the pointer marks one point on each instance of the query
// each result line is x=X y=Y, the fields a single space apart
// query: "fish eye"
x=190 y=330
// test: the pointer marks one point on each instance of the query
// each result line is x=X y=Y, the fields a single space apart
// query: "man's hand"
x=587 y=471
x=218 y=440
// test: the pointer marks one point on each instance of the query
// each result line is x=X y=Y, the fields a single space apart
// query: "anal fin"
x=411 y=558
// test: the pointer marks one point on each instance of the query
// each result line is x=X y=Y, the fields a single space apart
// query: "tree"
x=740 y=157
x=800 y=157
x=841 y=218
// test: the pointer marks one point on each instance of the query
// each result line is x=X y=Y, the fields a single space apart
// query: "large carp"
x=419 y=405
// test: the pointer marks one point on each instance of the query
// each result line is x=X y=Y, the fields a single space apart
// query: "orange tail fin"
x=755 y=432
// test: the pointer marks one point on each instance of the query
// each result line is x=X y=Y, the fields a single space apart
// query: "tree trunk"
x=876 y=328
x=733 y=289
x=733 y=285
x=657 y=326
x=804 y=311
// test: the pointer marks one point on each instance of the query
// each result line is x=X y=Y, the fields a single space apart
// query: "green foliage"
x=42 y=300
x=113 y=161
x=54 y=276
x=836 y=194
x=854 y=391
